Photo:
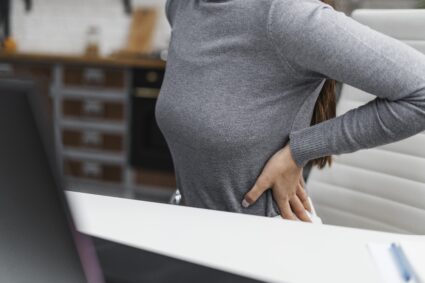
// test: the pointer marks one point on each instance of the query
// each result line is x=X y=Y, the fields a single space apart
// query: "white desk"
x=263 y=248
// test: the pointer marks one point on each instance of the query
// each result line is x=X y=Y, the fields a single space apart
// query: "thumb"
x=256 y=191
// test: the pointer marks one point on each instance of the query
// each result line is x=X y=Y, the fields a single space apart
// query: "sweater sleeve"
x=315 y=40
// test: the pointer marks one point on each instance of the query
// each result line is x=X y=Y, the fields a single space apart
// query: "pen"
x=401 y=262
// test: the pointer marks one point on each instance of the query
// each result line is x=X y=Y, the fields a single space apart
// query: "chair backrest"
x=381 y=188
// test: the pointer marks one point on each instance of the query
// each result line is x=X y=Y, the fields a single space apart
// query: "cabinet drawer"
x=93 y=170
x=92 y=139
x=93 y=108
x=93 y=77
x=34 y=71
x=7 y=69
x=42 y=74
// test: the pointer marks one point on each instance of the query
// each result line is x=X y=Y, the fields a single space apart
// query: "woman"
x=248 y=98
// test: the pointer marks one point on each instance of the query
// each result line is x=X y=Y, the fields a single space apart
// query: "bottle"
x=92 y=41
x=9 y=45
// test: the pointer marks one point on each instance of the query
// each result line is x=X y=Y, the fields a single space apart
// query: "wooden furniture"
x=90 y=107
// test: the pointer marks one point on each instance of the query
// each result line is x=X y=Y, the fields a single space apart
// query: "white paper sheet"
x=386 y=264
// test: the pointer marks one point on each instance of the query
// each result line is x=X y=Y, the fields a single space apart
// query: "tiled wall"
x=61 y=25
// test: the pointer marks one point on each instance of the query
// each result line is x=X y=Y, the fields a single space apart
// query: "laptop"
x=38 y=239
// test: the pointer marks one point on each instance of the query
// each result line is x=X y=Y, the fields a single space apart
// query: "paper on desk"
x=415 y=252
x=386 y=264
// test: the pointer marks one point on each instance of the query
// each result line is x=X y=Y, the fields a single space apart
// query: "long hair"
x=325 y=108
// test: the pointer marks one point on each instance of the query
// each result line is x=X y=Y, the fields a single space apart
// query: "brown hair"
x=325 y=108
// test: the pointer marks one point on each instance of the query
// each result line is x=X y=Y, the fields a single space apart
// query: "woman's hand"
x=284 y=177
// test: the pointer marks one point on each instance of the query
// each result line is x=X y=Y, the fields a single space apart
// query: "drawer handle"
x=92 y=138
x=146 y=92
x=93 y=107
x=152 y=77
x=95 y=76
x=91 y=169
x=6 y=68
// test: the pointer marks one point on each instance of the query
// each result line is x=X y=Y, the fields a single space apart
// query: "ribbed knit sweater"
x=241 y=81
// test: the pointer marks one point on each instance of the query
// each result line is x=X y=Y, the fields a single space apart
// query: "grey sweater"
x=242 y=79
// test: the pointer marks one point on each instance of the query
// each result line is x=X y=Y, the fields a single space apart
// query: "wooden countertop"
x=81 y=60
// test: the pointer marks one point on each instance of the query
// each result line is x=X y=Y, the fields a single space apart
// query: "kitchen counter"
x=81 y=60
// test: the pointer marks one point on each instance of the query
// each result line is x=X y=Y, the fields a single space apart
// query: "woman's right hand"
x=282 y=175
x=302 y=194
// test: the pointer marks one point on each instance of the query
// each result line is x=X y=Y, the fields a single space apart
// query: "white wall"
x=60 y=26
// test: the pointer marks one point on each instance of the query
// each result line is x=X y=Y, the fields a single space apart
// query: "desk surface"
x=263 y=248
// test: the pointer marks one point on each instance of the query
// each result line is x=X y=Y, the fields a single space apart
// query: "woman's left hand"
x=282 y=175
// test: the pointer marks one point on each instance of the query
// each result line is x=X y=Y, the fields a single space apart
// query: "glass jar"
x=92 y=41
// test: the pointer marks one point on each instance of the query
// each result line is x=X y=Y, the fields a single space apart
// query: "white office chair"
x=381 y=188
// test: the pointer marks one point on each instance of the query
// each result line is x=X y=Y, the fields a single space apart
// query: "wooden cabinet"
x=85 y=108
x=92 y=119
x=90 y=101
x=93 y=140
x=38 y=71
x=6 y=69
x=94 y=77
x=93 y=170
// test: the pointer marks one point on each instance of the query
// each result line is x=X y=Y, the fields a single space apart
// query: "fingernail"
x=245 y=203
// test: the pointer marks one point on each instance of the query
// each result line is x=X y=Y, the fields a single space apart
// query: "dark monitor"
x=38 y=242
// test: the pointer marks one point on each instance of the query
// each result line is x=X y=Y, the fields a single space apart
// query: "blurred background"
x=101 y=63
x=62 y=26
